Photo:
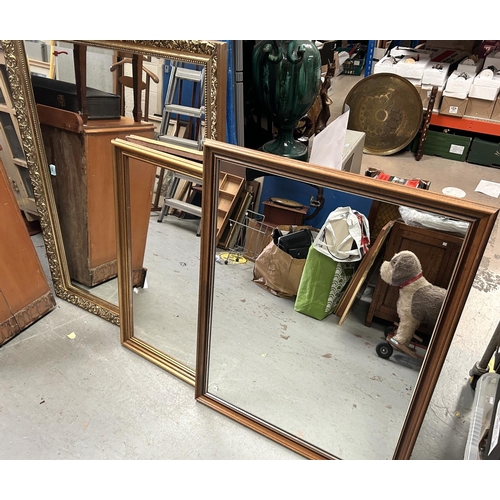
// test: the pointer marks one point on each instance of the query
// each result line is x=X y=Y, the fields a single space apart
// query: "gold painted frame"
x=123 y=152
x=211 y=54
x=480 y=217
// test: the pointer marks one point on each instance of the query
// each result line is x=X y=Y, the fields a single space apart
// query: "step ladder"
x=177 y=76
x=172 y=112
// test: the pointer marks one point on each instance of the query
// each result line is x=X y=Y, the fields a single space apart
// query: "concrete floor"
x=90 y=398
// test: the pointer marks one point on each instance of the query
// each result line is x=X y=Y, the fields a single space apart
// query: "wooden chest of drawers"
x=437 y=251
x=82 y=162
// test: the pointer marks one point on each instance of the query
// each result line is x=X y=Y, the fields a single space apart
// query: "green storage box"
x=484 y=153
x=451 y=146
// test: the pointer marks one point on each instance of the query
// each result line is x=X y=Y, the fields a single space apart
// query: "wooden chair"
x=128 y=81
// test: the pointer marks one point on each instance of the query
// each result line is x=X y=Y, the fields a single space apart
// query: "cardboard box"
x=479 y=108
x=466 y=45
x=495 y=115
x=484 y=153
x=425 y=94
x=452 y=106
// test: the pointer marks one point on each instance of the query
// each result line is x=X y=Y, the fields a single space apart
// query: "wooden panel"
x=142 y=179
x=60 y=118
x=22 y=280
x=100 y=190
x=230 y=188
x=66 y=151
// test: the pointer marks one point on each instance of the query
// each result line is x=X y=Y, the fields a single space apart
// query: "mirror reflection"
x=79 y=154
x=165 y=308
x=314 y=377
x=88 y=93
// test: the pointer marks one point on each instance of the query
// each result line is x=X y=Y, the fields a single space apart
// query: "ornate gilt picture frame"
x=212 y=55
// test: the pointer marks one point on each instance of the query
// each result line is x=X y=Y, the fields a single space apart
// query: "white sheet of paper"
x=328 y=146
x=489 y=188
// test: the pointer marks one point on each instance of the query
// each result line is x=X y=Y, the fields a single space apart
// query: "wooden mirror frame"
x=123 y=152
x=480 y=217
x=211 y=54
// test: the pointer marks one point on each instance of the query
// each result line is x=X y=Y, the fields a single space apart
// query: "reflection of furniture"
x=170 y=202
x=11 y=150
x=82 y=179
x=437 y=252
x=125 y=81
x=230 y=188
x=25 y=295
x=278 y=215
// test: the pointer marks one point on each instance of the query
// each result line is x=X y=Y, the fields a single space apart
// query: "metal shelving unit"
x=467 y=124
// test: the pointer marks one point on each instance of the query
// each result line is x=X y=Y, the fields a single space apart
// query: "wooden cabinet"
x=437 y=251
x=25 y=294
x=80 y=157
x=281 y=215
x=11 y=150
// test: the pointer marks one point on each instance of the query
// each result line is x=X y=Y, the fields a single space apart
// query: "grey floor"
x=90 y=398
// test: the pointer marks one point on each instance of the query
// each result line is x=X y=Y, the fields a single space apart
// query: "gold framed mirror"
x=267 y=368
x=211 y=56
x=168 y=341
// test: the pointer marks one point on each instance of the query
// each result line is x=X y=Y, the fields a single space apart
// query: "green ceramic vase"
x=287 y=79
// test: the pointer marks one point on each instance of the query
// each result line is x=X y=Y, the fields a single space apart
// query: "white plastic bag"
x=419 y=218
x=345 y=235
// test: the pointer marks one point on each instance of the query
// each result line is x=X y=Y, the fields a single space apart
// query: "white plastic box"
x=436 y=74
x=458 y=84
x=482 y=409
x=470 y=66
x=486 y=85
x=492 y=60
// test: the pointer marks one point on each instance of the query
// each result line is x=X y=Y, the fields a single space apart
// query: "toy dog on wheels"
x=419 y=302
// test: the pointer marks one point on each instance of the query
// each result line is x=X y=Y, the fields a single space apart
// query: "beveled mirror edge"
x=480 y=217
x=123 y=151
x=212 y=53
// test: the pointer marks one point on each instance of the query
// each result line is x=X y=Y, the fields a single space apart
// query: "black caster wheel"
x=384 y=350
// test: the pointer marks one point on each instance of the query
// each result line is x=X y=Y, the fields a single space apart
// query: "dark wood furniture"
x=25 y=294
x=281 y=215
x=437 y=251
x=81 y=156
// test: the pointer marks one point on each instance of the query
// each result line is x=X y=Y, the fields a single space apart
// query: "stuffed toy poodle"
x=419 y=301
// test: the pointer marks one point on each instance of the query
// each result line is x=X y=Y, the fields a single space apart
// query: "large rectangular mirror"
x=318 y=387
x=158 y=320
x=70 y=156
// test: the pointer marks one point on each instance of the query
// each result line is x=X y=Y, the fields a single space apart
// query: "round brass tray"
x=286 y=203
x=388 y=108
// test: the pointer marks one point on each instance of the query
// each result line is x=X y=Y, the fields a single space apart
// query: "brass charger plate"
x=286 y=203
x=388 y=109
